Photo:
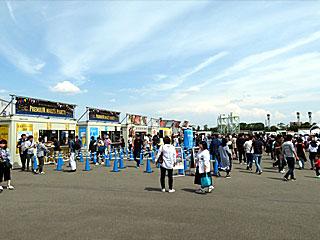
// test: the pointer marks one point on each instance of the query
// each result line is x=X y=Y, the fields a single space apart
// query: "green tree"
x=205 y=127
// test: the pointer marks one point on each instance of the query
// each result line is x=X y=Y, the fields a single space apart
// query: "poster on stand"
x=179 y=159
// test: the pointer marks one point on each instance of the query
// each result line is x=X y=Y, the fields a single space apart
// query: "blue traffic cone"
x=153 y=158
x=115 y=166
x=126 y=151
x=185 y=165
x=159 y=165
x=107 y=163
x=131 y=156
x=148 y=167
x=81 y=157
x=59 y=168
x=62 y=163
x=141 y=158
x=87 y=167
x=215 y=167
x=95 y=158
x=115 y=155
x=35 y=163
x=121 y=164
x=181 y=172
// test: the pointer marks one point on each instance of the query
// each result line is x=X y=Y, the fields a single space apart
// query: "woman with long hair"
x=5 y=165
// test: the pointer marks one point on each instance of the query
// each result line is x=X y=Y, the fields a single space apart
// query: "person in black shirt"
x=92 y=147
x=301 y=152
x=56 y=149
x=258 y=149
x=242 y=154
x=22 y=151
x=137 y=149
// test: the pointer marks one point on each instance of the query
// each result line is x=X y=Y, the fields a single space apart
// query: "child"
x=5 y=165
x=316 y=165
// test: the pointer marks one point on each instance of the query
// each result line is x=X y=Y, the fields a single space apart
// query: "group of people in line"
x=247 y=149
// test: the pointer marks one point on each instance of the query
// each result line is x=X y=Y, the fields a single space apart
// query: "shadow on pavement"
x=310 y=176
x=188 y=190
x=279 y=179
x=247 y=172
x=152 y=189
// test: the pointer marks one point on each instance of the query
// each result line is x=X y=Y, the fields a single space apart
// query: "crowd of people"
x=286 y=151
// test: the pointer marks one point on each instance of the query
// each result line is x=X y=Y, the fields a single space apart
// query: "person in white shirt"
x=168 y=153
x=249 y=152
x=313 y=149
x=30 y=146
x=203 y=165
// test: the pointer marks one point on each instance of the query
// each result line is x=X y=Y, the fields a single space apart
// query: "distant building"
x=3 y=104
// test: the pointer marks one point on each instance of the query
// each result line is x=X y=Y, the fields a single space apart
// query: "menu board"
x=103 y=115
x=136 y=119
x=31 y=106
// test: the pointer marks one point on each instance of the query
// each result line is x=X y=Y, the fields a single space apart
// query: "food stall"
x=134 y=125
x=153 y=126
x=99 y=123
x=40 y=118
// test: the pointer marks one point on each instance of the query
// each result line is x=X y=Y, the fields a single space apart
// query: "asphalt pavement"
x=101 y=204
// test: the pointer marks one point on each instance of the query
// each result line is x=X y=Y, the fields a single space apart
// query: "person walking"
x=225 y=157
x=289 y=153
x=278 y=151
x=258 y=148
x=316 y=165
x=72 y=154
x=203 y=167
x=167 y=162
x=313 y=149
x=107 y=143
x=249 y=152
x=92 y=147
x=30 y=146
x=22 y=152
x=41 y=151
x=240 y=142
x=138 y=143
x=5 y=165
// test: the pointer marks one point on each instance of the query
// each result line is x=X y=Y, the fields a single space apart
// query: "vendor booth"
x=153 y=126
x=99 y=123
x=134 y=125
x=40 y=118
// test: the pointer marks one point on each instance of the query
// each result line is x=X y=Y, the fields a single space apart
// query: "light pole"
x=310 y=117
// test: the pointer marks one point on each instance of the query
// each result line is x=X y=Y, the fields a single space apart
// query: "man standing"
x=240 y=142
x=137 y=150
x=72 y=154
x=289 y=152
x=258 y=148
x=30 y=146
x=77 y=147
x=22 y=152
x=56 y=149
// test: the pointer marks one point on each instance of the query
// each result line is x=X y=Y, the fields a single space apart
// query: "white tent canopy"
x=315 y=129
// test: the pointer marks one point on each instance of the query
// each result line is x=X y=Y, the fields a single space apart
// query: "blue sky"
x=182 y=60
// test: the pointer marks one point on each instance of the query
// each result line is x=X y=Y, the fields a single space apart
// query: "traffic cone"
x=148 y=167
x=153 y=158
x=185 y=165
x=94 y=158
x=121 y=165
x=181 y=172
x=59 y=168
x=126 y=150
x=62 y=162
x=115 y=166
x=141 y=158
x=131 y=156
x=115 y=155
x=35 y=163
x=87 y=167
x=106 y=162
x=81 y=157
x=215 y=167
x=159 y=165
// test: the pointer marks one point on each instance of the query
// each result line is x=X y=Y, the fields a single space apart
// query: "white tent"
x=315 y=129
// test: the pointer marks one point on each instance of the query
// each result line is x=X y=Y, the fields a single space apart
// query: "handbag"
x=160 y=159
x=206 y=181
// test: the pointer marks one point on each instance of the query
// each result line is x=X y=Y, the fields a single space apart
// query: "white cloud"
x=112 y=100
x=2 y=91
x=109 y=93
x=10 y=9
x=159 y=77
x=176 y=81
x=67 y=88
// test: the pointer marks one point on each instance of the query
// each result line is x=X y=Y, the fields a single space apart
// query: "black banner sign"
x=31 y=106
x=103 y=115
